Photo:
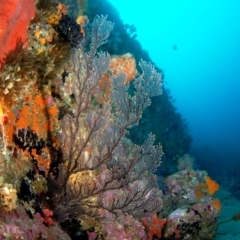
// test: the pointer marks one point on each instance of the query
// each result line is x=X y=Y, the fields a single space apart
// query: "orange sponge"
x=212 y=185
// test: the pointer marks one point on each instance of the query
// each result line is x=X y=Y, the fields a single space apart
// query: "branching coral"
x=104 y=175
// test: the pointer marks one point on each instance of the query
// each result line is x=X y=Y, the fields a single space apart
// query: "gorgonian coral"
x=103 y=175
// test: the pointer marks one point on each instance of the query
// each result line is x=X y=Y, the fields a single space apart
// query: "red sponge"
x=14 y=21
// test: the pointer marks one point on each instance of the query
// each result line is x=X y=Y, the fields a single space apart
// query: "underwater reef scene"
x=92 y=146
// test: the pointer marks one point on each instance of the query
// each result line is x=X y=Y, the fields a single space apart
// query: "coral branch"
x=103 y=175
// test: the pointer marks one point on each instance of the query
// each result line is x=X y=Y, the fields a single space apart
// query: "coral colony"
x=67 y=168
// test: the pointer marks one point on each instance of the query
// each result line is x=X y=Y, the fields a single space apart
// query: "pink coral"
x=92 y=236
x=127 y=229
x=17 y=225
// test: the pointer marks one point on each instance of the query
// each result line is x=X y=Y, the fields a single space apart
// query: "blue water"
x=197 y=44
